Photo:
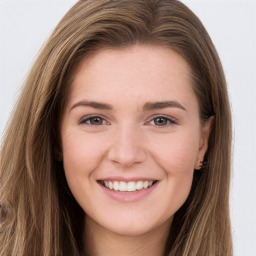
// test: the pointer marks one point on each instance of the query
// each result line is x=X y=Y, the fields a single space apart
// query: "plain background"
x=25 y=24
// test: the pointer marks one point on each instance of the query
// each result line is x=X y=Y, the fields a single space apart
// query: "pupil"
x=96 y=120
x=161 y=120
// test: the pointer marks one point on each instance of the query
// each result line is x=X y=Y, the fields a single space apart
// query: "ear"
x=203 y=143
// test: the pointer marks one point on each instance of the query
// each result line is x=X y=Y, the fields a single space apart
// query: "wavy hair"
x=43 y=217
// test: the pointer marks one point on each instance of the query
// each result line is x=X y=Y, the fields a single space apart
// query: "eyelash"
x=170 y=121
x=89 y=118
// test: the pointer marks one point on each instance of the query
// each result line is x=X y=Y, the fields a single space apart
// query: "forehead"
x=153 y=57
x=138 y=72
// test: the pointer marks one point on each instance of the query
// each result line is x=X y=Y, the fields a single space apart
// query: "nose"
x=127 y=148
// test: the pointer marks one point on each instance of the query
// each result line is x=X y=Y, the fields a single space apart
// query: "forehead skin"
x=103 y=63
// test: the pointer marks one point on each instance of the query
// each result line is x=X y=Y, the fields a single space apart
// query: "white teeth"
x=123 y=186
x=116 y=185
x=110 y=185
x=130 y=186
x=139 y=185
x=145 y=184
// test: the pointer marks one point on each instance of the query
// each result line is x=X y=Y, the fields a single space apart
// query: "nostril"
x=127 y=148
x=127 y=157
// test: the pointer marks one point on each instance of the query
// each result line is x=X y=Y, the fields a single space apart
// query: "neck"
x=102 y=242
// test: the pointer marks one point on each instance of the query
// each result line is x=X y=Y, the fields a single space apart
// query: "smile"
x=130 y=186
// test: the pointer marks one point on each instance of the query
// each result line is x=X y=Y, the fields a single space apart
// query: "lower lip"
x=129 y=196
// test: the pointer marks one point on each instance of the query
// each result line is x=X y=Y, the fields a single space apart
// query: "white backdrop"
x=25 y=24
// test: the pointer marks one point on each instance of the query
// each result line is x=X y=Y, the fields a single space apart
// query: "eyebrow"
x=92 y=104
x=147 y=106
x=162 y=104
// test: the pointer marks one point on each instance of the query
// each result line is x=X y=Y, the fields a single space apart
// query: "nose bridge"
x=127 y=147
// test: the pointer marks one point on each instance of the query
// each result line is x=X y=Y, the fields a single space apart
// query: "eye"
x=162 y=121
x=94 y=120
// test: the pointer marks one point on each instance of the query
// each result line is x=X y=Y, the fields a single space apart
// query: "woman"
x=120 y=141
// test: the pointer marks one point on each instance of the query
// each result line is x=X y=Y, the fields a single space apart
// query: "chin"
x=133 y=225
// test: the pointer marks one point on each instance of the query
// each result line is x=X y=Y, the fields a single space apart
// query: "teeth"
x=123 y=186
x=130 y=186
x=116 y=185
x=145 y=184
x=139 y=185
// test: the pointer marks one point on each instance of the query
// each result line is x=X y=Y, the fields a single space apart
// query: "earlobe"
x=199 y=165
x=203 y=145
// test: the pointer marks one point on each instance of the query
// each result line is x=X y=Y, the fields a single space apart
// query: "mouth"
x=131 y=186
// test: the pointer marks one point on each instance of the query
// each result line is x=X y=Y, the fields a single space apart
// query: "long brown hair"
x=44 y=218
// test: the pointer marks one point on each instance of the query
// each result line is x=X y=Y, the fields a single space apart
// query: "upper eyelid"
x=84 y=118
x=164 y=116
x=170 y=125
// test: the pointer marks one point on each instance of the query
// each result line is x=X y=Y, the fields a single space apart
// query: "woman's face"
x=131 y=137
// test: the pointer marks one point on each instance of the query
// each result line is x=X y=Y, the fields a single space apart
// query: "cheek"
x=182 y=158
x=81 y=155
x=177 y=155
x=178 y=162
x=179 y=186
x=177 y=158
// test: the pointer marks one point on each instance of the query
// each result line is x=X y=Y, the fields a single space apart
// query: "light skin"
x=131 y=116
